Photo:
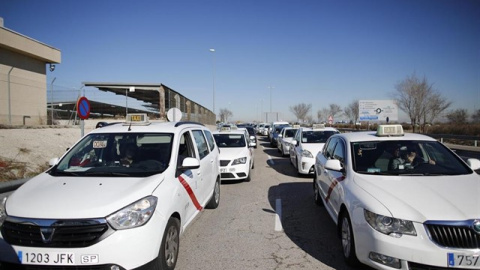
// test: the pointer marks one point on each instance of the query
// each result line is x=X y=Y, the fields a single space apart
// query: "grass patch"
x=14 y=170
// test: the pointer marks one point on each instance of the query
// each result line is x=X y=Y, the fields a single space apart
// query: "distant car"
x=236 y=156
x=306 y=144
x=120 y=198
x=285 y=138
x=273 y=129
x=422 y=213
x=253 y=136
x=265 y=130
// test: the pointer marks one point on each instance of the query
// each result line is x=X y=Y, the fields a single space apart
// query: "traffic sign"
x=83 y=108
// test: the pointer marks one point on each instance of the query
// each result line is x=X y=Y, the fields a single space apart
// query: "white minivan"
x=118 y=199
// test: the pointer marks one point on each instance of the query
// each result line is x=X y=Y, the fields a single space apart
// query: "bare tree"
x=476 y=117
x=335 y=109
x=458 y=116
x=419 y=100
x=225 y=114
x=301 y=110
x=352 y=111
x=322 y=115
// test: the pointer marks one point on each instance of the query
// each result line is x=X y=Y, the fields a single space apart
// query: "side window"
x=186 y=148
x=211 y=141
x=329 y=148
x=339 y=152
x=201 y=143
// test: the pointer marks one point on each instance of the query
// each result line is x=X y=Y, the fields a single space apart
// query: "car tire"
x=215 y=200
x=316 y=193
x=348 y=240
x=168 y=255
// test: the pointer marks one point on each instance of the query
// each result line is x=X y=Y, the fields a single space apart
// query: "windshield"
x=406 y=157
x=317 y=136
x=290 y=133
x=116 y=154
x=230 y=140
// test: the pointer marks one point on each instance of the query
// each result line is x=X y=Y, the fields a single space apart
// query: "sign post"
x=83 y=110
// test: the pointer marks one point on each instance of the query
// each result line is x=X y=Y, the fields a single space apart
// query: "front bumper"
x=234 y=172
x=413 y=252
x=128 y=249
x=305 y=165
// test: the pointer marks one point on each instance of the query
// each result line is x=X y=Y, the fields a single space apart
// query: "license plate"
x=463 y=260
x=224 y=170
x=47 y=258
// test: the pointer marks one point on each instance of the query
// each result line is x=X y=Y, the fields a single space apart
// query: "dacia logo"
x=476 y=226
x=47 y=234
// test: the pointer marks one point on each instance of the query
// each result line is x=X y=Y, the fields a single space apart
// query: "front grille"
x=54 y=233
x=224 y=163
x=417 y=266
x=227 y=175
x=453 y=234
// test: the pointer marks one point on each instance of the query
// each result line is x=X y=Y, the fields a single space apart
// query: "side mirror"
x=252 y=138
x=280 y=136
x=189 y=163
x=334 y=165
x=52 y=162
x=473 y=163
x=294 y=142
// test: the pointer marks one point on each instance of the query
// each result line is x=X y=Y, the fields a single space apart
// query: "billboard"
x=377 y=110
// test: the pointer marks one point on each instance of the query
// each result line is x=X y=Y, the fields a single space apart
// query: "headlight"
x=134 y=215
x=306 y=153
x=242 y=160
x=389 y=225
x=3 y=210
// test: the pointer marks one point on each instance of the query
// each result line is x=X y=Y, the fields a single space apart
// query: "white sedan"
x=305 y=146
x=400 y=201
x=285 y=138
x=236 y=155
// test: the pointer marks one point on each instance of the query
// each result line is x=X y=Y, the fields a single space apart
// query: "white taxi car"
x=236 y=154
x=285 y=138
x=306 y=144
x=118 y=199
x=400 y=200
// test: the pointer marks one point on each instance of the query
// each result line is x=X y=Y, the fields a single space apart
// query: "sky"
x=270 y=55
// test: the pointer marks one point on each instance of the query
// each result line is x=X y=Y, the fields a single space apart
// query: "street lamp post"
x=51 y=88
x=213 y=71
x=271 y=87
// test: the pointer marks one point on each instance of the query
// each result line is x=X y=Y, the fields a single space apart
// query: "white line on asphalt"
x=270 y=160
x=278 y=216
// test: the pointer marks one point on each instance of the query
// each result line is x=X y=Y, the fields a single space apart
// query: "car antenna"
x=130 y=126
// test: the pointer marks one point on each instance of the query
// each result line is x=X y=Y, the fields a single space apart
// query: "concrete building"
x=23 y=78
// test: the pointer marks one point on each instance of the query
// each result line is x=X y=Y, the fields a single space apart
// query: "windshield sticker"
x=99 y=144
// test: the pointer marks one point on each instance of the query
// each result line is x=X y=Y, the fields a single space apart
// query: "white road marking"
x=278 y=216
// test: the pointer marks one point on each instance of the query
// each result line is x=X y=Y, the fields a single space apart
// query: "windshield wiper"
x=64 y=173
x=106 y=174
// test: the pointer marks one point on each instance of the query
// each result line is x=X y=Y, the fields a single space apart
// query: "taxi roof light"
x=390 y=130
x=318 y=126
x=136 y=119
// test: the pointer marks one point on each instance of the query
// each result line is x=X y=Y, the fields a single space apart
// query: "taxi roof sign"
x=389 y=130
x=137 y=119
x=318 y=126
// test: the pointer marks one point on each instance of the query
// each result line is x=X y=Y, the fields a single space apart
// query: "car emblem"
x=47 y=234
x=476 y=226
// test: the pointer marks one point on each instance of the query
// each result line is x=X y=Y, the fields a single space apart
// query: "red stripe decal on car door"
x=190 y=193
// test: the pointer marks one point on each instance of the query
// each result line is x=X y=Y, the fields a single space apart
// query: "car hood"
x=421 y=198
x=50 y=197
x=233 y=152
x=314 y=148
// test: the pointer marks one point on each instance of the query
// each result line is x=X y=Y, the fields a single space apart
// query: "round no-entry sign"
x=83 y=108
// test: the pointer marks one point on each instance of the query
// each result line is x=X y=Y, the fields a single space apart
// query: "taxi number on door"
x=47 y=258
x=462 y=260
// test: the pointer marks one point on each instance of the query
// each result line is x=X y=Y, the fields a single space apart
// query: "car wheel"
x=348 y=240
x=316 y=193
x=168 y=255
x=215 y=200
